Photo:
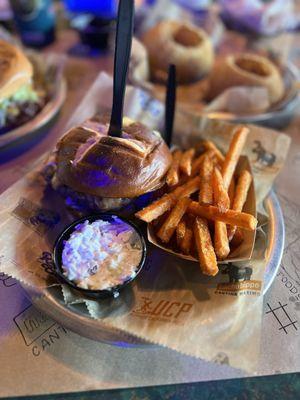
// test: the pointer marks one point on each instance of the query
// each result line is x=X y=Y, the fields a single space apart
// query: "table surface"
x=285 y=387
x=18 y=158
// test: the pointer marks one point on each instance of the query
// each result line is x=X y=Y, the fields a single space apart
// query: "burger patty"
x=83 y=203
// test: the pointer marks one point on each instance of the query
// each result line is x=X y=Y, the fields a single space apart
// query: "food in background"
x=181 y=44
x=246 y=70
x=21 y=95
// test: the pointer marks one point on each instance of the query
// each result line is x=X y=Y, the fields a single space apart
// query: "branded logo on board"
x=239 y=282
x=264 y=160
x=163 y=310
x=263 y=156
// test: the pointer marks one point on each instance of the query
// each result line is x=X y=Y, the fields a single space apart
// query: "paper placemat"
x=47 y=358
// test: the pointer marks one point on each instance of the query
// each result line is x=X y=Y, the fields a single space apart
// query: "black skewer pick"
x=122 y=55
x=170 y=104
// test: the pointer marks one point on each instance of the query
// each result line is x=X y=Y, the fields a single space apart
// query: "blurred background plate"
x=77 y=319
x=43 y=118
x=277 y=117
x=281 y=114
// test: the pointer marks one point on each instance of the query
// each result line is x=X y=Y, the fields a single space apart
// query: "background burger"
x=21 y=96
x=96 y=172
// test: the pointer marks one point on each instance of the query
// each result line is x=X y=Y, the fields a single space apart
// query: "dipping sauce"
x=100 y=255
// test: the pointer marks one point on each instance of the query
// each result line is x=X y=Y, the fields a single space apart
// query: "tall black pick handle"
x=170 y=104
x=122 y=56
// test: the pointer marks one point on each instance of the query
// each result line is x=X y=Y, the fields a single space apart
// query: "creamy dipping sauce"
x=100 y=255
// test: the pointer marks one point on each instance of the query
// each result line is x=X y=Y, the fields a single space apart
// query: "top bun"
x=15 y=69
x=91 y=162
x=182 y=44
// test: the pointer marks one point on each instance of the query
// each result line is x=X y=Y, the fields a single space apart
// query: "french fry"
x=221 y=241
x=160 y=206
x=184 y=235
x=233 y=154
x=242 y=188
x=180 y=231
x=231 y=191
x=241 y=193
x=186 y=243
x=238 y=238
x=157 y=208
x=173 y=174
x=208 y=145
x=169 y=226
x=185 y=164
x=230 y=217
x=206 y=189
x=206 y=253
x=196 y=164
x=187 y=189
x=220 y=203
x=231 y=159
x=221 y=198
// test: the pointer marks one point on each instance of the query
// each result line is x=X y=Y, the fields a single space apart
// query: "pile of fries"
x=201 y=213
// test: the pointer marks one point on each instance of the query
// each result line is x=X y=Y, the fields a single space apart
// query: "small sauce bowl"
x=65 y=235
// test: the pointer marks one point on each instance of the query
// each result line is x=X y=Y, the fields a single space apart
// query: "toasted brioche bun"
x=185 y=45
x=15 y=69
x=246 y=70
x=91 y=162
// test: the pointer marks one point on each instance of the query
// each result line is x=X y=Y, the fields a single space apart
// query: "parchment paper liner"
x=219 y=319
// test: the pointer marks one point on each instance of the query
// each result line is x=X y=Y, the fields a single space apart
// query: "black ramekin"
x=65 y=235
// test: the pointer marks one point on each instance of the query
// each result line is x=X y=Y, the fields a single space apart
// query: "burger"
x=20 y=99
x=97 y=172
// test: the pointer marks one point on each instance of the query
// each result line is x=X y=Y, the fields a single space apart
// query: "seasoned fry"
x=184 y=235
x=160 y=206
x=231 y=217
x=180 y=232
x=186 y=243
x=229 y=165
x=206 y=189
x=231 y=191
x=233 y=154
x=187 y=189
x=221 y=241
x=157 y=208
x=242 y=188
x=208 y=145
x=185 y=164
x=221 y=198
x=238 y=238
x=207 y=256
x=196 y=164
x=215 y=224
x=169 y=226
x=173 y=174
